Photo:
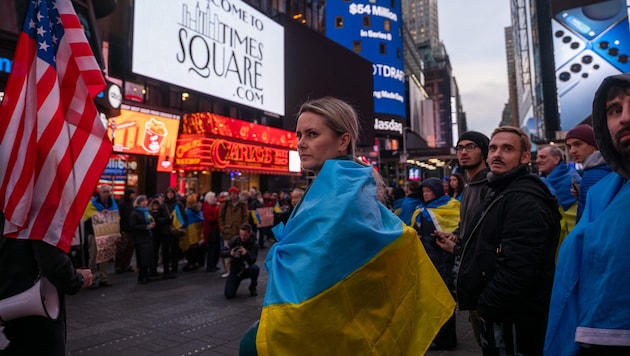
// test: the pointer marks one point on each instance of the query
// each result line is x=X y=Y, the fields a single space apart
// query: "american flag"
x=53 y=146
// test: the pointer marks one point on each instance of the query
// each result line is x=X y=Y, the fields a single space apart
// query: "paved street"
x=183 y=316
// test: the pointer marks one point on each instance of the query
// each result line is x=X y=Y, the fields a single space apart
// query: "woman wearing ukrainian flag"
x=346 y=276
x=440 y=212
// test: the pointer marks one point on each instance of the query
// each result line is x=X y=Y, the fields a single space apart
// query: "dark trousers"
x=512 y=338
x=598 y=350
x=264 y=232
x=170 y=253
x=124 y=251
x=234 y=280
x=447 y=336
x=213 y=251
x=158 y=242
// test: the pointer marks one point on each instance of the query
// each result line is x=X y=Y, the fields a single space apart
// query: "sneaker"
x=252 y=292
x=224 y=275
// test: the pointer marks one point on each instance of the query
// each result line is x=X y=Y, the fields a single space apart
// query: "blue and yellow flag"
x=347 y=277
x=176 y=218
x=443 y=212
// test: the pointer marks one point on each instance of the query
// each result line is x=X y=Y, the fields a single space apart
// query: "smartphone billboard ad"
x=146 y=133
x=372 y=29
x=591 y=42
x=223 y=48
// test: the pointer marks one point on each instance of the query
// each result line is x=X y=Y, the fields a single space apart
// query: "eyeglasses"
x=468 y=147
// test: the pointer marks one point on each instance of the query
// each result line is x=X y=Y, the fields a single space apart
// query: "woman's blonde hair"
x=339 y=117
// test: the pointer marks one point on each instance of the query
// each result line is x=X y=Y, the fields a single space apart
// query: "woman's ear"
x=344 y=143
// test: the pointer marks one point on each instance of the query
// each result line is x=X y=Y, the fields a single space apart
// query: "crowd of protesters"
x=170 y=233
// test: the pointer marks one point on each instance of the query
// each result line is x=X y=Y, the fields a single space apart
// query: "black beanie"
x=478 y=138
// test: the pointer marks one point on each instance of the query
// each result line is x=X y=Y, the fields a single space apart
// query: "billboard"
x=372 y=29
x=591 y=42
x=146 y=133
x=223 y=48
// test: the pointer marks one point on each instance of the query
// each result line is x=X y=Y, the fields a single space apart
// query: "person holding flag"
x=175 y=207
x=346 y=276
x=53 y=148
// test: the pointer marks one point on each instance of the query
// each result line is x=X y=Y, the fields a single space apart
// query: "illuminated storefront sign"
x=224 y=154
x=146 y=133
x=215 y=142
x=217 y=125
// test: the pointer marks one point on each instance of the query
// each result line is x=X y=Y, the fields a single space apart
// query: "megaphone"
x=39 y=300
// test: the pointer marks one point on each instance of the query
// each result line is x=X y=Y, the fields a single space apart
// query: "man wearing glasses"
x=472 y=151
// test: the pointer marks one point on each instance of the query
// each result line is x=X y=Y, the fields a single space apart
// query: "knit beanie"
x=233 y=190
x=435 y=184
x=478 y=138
x=582 y=132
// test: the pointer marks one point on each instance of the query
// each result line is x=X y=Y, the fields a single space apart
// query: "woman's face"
x=427 y=194
x=318 y=142
x=453 y=181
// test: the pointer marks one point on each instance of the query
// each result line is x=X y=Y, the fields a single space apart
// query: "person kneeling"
x=243 y=252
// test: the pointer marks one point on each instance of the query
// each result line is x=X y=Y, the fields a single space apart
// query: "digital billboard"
x=146 y=133
x=223 y=48
x=372 y=29
x=591 y=42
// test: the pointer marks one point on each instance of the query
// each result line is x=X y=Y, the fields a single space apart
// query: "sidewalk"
x=184 y=316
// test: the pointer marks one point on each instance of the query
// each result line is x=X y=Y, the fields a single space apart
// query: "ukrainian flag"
x=347 y=277
x=443 y=212
x=176 y=218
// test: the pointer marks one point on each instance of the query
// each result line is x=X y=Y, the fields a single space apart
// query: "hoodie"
x=591 y=291
x=615 y=160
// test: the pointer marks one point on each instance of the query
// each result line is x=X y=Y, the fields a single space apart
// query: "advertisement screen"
x=372 y=29
x=222 y=48
x=146 y=134
x=591 y=42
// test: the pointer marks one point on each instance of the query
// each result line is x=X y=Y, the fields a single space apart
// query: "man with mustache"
x=589 y=312
x=507 y=261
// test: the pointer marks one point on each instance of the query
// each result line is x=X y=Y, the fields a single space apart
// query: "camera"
x=237 y=252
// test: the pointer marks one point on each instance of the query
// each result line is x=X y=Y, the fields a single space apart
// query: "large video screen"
x=222 y=48
x=591 y=42
x=372 y=29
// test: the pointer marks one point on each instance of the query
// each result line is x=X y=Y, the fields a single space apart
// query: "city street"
x=184 y=316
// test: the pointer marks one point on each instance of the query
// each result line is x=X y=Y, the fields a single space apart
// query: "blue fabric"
x=192 y=216
x=321 y=230
x=589 y=178
x=409 y=205
x=560 y=180
x=100 y=207
x=592 y=284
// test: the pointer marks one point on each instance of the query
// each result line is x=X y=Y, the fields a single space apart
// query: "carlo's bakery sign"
x=223 y=48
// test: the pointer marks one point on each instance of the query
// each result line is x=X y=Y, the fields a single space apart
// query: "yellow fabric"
x=192 y=236
x=89 y=211
x=176 y=220
x=445 y=217
x=567 y=223
x=254 y=217
x=351 y=319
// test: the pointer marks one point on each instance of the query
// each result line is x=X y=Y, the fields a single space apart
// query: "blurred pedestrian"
x=142 y=224
x=211 y=232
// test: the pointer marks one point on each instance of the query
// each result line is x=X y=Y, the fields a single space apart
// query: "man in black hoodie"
x=507 y=261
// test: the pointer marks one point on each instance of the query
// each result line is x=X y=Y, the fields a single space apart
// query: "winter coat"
x=231 y=217
x=507 y=261
x=142 y=236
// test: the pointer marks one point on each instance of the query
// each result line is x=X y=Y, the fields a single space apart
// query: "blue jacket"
x=595 y=168
x=590 y=299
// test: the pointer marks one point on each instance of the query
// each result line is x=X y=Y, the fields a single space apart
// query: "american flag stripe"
x=52 y=140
